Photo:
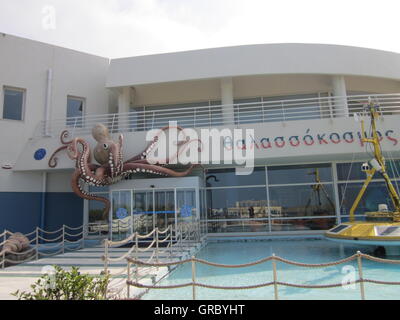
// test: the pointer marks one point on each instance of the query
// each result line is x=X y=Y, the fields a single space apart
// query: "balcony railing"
x=216 y=115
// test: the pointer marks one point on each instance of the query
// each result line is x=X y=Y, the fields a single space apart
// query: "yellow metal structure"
x=380 y=227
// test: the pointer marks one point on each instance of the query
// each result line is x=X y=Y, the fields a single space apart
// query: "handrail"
x=358 y=256
x=208 y=116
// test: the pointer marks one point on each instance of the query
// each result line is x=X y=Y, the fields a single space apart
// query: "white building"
x=298 y=98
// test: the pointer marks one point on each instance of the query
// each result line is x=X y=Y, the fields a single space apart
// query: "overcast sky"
x=120 y=28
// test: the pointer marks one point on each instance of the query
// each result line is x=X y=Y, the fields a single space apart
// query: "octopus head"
x=107 y=151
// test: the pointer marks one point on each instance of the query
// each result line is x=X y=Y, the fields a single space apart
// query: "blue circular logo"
x=122 y=213
x=186 y=210
x=39 y=154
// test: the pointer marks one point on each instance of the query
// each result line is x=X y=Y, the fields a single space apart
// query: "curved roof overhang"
x=262 y=59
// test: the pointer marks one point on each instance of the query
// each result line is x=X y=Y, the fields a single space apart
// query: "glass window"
x=121 y=214
x=299 y=174
x=244 y=225
x=375 y=194
x=299 y=201
x=237 y=203
x=136 y=118
x=96 y=209
x=248 y=110
x=186 y=204
x=98 y=225
x=13 y=105
x=75 y=108
x=98 y=189
x=228 y=177
x=302 y=224
x=198 y=114
x=352 y=171
x=143 y=213
x=292 y=107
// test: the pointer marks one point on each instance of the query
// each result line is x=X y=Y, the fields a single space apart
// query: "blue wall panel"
x=21 y=211
x=63 y=208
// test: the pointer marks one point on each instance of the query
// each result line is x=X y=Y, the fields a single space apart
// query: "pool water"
x=300 y=250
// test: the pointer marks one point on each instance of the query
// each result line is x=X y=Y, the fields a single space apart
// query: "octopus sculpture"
x=110 y=167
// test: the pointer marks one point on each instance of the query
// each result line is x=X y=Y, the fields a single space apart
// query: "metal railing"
x=210 y=116
x=161 y=243
x=43 y=244
x=275 y=283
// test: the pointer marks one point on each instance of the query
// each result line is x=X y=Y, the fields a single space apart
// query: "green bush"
x=66 y=285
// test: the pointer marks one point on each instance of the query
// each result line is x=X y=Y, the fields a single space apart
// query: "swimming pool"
x=300 y=250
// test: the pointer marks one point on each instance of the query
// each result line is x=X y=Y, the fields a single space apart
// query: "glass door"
x=186 y=205
x=164 y=208
x=121 y=222
x=143 y=211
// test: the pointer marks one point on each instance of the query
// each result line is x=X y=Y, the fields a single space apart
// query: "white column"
x=124 y=104
x=227 y=100
x=339 y=90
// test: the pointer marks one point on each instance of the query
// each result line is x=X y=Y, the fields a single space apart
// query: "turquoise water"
x=301 y=250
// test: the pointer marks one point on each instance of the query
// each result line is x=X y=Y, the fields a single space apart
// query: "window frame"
x=73 y=97
x=23 y=107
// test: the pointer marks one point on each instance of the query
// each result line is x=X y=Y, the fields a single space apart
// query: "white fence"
x=169 y=242
x=43 y=244
x=214 y=115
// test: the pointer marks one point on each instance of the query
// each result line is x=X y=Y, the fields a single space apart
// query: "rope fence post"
x=193 y=278
x=198 y=230
x=360 y=274
x=137 y=256
x=170 y=241
x=63 y=239
x=84 y=230
x=180 y=236
x=105 y=256
x=37 y=243
x=3 y=259
x=3 y=253
x=157 y=236
x=128 y=286
x=276 y=296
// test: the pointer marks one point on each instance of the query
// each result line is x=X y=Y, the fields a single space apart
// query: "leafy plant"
x=66 y=285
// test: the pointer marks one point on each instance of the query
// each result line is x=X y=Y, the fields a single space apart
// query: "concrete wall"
x=24 y=64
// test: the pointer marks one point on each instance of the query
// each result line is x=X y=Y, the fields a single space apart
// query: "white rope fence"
x=43 y=243
x=275 y=283
x=161 y=243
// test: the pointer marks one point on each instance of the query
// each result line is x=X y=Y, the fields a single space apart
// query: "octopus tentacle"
x=182 y=148
x=84 y=167
x=53 y=161
x=112 y=168
x=63 y=136
x=150 y=168
x=141 y=156
x=77 y=188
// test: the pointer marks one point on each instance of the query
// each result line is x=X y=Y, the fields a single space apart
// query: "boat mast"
x=379 y=165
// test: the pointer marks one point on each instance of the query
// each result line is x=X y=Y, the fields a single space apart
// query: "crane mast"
x=378 y=164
